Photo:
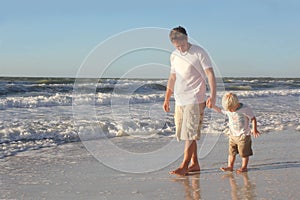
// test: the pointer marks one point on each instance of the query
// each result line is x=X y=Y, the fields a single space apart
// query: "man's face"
x=181 y=45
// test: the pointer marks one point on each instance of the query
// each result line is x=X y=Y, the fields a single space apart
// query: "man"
x=190 y=65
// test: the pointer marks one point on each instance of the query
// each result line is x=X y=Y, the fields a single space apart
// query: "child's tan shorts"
x=240 y=145
x=188 y=121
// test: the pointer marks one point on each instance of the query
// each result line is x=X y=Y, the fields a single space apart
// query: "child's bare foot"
x=194 y=168
x=241 y=170
x=179 y=171
x=226 y=169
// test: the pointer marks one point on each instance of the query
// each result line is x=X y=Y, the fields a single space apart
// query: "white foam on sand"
x=69 y=171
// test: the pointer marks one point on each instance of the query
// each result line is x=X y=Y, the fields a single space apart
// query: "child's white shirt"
x=239 y=120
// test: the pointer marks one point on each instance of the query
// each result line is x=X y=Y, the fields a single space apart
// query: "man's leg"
x=189 y=149
x=194 y=167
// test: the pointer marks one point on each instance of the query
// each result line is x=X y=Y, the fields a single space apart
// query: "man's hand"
x=166 y=106
x=210 y=102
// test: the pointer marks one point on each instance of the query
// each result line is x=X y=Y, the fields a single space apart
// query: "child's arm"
x=217 y=109
x=255 y=132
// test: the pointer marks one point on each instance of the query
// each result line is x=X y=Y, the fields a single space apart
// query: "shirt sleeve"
x=249 y=112
x=205 y=60
x=172 y=71
x=223 y=112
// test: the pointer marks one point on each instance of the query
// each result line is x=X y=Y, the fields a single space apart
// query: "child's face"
x=231 y=110
x=234 y=108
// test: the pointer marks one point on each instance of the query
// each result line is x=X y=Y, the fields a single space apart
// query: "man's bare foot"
x=194 y=168
x=179 y=171
x=241 y=170
x=226 y=169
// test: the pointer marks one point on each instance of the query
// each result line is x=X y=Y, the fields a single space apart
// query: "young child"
x=239 y=116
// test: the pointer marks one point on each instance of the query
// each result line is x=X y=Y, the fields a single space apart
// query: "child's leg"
x=232 y=151
x=231 y=160
x=245 y=161
x=229 y=168
x=245 y=151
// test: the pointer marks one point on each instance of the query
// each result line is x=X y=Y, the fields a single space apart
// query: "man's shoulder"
x=198 y=48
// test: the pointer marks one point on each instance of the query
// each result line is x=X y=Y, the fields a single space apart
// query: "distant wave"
x=49 y=92
x=20 y=89
x=237 y=87
x=269 y=93
x=23 y=86
x=261 y=83
x=100 y=98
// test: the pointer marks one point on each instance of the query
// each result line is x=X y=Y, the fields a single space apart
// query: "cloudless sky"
x=244 y=37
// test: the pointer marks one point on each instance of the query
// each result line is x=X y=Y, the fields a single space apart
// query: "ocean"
x=42 y=112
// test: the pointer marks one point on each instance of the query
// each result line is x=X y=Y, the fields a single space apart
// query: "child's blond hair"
x=229 y=101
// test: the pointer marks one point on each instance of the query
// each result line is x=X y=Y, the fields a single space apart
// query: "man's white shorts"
x=188 y=121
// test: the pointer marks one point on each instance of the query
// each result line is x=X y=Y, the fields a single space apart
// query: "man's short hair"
x=178 y=33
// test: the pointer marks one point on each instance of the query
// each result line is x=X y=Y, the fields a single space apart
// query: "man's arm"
x=169 y=92
x=212 y=85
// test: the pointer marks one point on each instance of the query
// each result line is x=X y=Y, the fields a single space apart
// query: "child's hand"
x=255 y=133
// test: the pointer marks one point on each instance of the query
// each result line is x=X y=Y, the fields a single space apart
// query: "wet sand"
x=69 y=171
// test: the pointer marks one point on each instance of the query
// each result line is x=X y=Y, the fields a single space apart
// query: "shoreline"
x=69 y=171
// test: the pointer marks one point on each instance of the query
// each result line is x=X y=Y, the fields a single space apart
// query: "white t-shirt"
x=239 y=120
x=189 y=68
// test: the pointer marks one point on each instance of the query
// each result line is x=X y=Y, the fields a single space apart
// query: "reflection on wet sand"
x=191 y=184
x=240 y=191
x=240 y=186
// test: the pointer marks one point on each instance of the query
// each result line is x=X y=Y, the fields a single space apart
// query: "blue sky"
x=244 y=37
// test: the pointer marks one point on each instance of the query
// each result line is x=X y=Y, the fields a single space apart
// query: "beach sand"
x=69 y=171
